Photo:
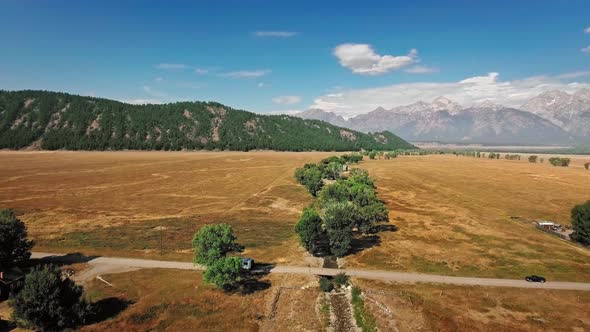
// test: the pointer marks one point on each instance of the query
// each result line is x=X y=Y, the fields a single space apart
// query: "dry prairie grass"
x=424 y=307
x=169 y=300
x=453 y=215
x=135 y=203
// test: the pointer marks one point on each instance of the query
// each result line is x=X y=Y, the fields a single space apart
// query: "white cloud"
x=246 y=73
x=362 y=59
x=282 y=112
x=142 y=101
x=201 y=71
x=586 y=49
x=158 y=79
x=260 y=84
x=171 y=66
x=286 y=100
x=574 y=74
x=467 y=92
x=279 y=34
x=421 y=70
x=587 y=30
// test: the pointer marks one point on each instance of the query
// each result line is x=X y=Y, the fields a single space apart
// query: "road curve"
x=104 y=265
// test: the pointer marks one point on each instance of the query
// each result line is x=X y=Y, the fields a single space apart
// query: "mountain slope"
x=51 y=120
x=570 y=112
x=446 y=121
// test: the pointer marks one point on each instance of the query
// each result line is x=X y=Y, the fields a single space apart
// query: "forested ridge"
x=53 y=121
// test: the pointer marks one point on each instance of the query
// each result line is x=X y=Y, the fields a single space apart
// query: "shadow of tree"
x=252 y=280
x=6 y=326
x=108 y=308
x=361 y=241
x=386 y=228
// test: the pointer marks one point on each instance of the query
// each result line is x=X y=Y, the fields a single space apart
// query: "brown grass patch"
x=110 y=203
x=453 y=215
x=423 y=307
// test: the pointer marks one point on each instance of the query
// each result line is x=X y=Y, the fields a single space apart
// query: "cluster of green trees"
x=380 y=154
x=512 y=157
x=493 y=155
x=581 y=223
x=63 y=121
x=212 y=244
x=558 y=161
x=48 y=301
x=312 y=175
x=346 y=205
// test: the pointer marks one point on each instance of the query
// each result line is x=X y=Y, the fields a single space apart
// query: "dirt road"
x=105 y=265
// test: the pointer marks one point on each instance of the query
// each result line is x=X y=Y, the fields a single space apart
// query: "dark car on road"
x=535 y=278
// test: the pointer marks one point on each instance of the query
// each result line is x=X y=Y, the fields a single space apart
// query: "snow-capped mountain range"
x=553 y=117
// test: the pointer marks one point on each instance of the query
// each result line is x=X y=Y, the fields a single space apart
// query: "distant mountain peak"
x=444 y=104
x=488 y=104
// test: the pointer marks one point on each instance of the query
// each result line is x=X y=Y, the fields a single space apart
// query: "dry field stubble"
x=425 y=307
x=453 y=215
x=169 y=300
x=137 y=203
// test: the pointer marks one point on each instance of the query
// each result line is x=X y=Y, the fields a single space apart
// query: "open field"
x=424 y=307
x=176 y=300
x=453 y=215
x=172 y=300
x=136 y=203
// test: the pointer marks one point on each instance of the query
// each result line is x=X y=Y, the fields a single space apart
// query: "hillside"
x=52 y=121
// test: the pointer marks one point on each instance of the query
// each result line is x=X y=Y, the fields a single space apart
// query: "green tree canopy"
x=213 y=242
x=14 y=245
x=581 y=223
x=225 y=273
x=339 y=219
x=49 y=302
x=310 y=231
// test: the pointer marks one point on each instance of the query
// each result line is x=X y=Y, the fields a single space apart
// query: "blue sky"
x=277 y=56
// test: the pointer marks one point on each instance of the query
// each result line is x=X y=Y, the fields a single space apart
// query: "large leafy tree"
x=213 y=242
x=581 y=223
x=310 y=231
x=225 y=273
x=49 y=302
x=14 y=245
x=338 y=219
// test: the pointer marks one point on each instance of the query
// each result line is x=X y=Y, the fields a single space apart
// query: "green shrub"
x=341 y=279
x=533 y=159
x=326 y=285
x=364 y=319
x=587 y=165
x=557 y=161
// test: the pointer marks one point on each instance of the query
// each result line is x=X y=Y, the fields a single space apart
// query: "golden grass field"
x=425 y=307
x=178 y=301
x=135 y=203
x=453 y=215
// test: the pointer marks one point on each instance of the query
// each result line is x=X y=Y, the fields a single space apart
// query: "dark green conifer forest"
x=54 y=121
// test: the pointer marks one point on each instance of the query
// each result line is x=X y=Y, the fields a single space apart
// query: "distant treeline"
x=52 y=121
